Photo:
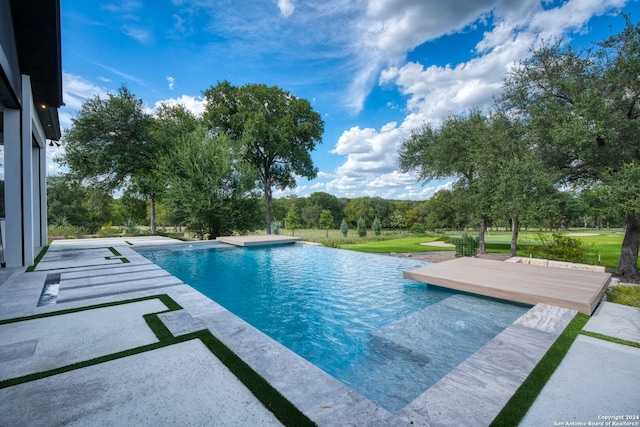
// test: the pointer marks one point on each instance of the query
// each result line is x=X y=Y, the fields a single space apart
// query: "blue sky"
x=374 y=69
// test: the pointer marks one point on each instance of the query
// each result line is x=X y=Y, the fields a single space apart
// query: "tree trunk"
x=152 y=214
x=267 y=203
x=628 y=265
x=482 y=248
x=514 y=236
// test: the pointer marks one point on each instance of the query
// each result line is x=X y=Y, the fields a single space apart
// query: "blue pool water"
x=351 y=314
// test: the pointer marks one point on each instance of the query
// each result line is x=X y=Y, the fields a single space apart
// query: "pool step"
x=444 y=333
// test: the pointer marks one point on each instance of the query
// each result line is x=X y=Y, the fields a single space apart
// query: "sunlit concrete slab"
x=66 y=244
x=182 y=384
x=76 y=263
x=530 y=284
x=262 y=240
x=65 y=339
x=616 y=320
x=596 y=382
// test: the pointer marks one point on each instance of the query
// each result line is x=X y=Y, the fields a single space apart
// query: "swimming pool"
x=351 y=314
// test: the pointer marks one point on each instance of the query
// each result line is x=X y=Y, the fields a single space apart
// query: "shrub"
x=627 y=295
x=376 y=226
x=559 y=248
x=110 y=231
x=344 y=227
x=417 y=228
x=131 y=229
x=466 y=245
x=275 y=226
x=60 y=221
x=336 y=243
x=66 y=231
x=361 y=227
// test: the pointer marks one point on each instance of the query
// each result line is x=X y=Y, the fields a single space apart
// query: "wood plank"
x=531 y=284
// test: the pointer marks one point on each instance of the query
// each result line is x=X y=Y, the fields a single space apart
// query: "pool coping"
x=481 y=384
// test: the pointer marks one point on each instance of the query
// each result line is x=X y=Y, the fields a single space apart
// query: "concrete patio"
x=184 y=383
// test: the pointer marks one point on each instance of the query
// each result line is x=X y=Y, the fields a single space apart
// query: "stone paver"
x=76 y=337
x=616 y=320
x=596 y=379
x=178 y=385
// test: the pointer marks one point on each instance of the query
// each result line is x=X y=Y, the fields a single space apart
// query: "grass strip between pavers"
x=32 y=268
x=517 y=407
x=164 y=298
x=284 y=410
x=115 y=252
x=610 y=339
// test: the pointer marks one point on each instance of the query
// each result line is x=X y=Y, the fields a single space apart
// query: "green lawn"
x=405 y=244
x=605 y=244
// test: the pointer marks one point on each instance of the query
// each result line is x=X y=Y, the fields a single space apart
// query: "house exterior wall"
x=25 y=224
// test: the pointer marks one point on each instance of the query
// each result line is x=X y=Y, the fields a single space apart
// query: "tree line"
x=72 y=204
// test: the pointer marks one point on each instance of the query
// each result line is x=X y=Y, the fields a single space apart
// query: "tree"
x=326 y=201
x=274 y=132
x=361 y=207
x=455 y=150
x=293 y=220
x=326 y=220
x=623 y=193
x=311 y=216
x=344 y=227
x=170 y=123
x=108 y=144
x=397 y=219
x=441 y=210
x=376 y=226
x=520 y=178
x=65 y=199
x=206 y=190
x=361 y=227
x=583 y=110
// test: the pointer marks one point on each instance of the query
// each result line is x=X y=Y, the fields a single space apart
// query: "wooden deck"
x=530 y=284
x=262 y=240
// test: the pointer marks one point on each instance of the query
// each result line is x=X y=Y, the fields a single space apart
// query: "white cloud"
x=77 y=89
x=123 y=6
x=400 y=25
x=171 y=81
x=415 y=192
x=434 y=92
x=324 y=175
x=119 y=73
x=287 y=7
x=142 y=35
x=194 y=104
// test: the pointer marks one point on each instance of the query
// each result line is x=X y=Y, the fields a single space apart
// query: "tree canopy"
x=109 y=145
x=582 y=109
x=205 y=189
x=273 y=130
